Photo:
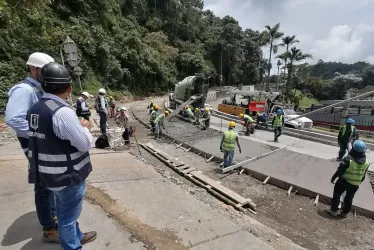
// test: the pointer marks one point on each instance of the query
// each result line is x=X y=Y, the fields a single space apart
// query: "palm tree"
x=294 y=55
x=272 y=35
x=287 y=41
x=279 y=63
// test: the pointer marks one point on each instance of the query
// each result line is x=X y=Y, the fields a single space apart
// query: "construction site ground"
x=135 y=201
x=293 y=216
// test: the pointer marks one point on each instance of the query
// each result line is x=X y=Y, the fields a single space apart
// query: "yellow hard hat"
x=186 y=106
x=232 y=124
x=155 y=107
x=111 y=97
x=241 y=115
x=166 y=113
x=197 y=109
x=206 y=110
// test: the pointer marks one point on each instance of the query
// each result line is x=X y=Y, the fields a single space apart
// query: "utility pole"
x=221 y=78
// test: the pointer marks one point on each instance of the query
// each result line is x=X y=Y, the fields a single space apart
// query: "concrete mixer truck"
x=192 y=90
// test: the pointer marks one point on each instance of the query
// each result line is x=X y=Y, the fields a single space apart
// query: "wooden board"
x=186 y=171
x=221 y=189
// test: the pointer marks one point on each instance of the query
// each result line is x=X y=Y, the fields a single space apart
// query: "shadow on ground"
x=26 y=228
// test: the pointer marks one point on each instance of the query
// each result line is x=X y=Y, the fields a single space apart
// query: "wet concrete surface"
x=309 y=172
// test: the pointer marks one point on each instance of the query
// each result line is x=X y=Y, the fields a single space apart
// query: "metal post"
x=221 y=79
x=62 y=56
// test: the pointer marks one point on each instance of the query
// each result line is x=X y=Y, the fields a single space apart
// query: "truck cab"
x=288 y=114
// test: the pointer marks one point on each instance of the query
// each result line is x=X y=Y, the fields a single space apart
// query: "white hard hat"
x=86 y=94
x=124 y=108
x=38 y=60
x=102 y=91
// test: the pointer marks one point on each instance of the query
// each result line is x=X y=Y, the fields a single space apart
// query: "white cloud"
x=346 y=44
x=339 y=30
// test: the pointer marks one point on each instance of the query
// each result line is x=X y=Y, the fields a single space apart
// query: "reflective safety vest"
x=80 y=111
x=53 y=162
x=160 y=119
x=153 y=115
x=98 y=104
x=355 y=172
x=189 y=112
x=247 y=118
x=345 y=129
x=278 y=121
x=229 y=140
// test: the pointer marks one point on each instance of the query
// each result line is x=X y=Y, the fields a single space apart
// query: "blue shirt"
x=66 y=126
x=21 y=97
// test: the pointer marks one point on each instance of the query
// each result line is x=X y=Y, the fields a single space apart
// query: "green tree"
x=286 y=42
x=272 y=35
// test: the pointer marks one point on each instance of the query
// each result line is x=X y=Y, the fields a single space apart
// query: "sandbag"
x=102 y=142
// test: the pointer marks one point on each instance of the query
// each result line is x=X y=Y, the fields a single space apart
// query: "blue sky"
x=331 y=30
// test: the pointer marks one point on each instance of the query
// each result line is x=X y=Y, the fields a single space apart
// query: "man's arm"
x=272 y=123
x=83 y=106
x=223 y=138
x=343 y=166
x=16 y=111
x=67 y=126
x=237 y=142
x=102 y=102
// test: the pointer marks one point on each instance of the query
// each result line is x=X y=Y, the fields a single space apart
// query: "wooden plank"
x=224 y=170
x=186 y=171
x=238 y=198
x=266 y=180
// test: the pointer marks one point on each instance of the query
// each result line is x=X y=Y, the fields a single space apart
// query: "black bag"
x=126 y=136
x=102 y=142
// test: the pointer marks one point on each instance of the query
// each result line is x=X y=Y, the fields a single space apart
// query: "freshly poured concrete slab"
x=249 y=148
x=309 y=172
x=239 y=240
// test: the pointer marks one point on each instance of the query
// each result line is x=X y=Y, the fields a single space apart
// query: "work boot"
x=344 y=215
x=88 y=237
x=333 y=213
x=51 y=236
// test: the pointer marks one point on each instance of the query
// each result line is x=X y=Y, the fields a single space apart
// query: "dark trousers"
x=343 y=148
x=206 y=123
x=277 y=133
x=153 y=127
x=103 y=120
x=45 y=206
x=342 y=186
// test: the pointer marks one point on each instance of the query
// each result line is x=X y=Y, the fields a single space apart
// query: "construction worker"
x=229 y=139
x=278 y=124
x=248 y=121
x=351 y=173
x=150 y=107
x=189 y=111
x=159 y=123
x=347 y=135
x=112 y=106
x=21 y=97
x=83 y=110
x=101 y=106
x=197 y=116
x=153 y=117
x=58 y=154
x=206 y=118
x=262 y=118
x=122 y=118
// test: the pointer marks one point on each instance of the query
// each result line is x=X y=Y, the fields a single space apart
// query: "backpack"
x=102 y=141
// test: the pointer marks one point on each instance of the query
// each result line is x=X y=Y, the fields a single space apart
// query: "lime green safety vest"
x=355 y=172
x=160 y=119
x=345 y=129
x=278 y=121
x=247 y=118
x=153 y=116
x=189 y=112
x=229 y=140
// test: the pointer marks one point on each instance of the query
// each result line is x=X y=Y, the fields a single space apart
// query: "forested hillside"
x=140 y=45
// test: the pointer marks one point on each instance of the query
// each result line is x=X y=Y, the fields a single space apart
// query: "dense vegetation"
x=146 y=46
